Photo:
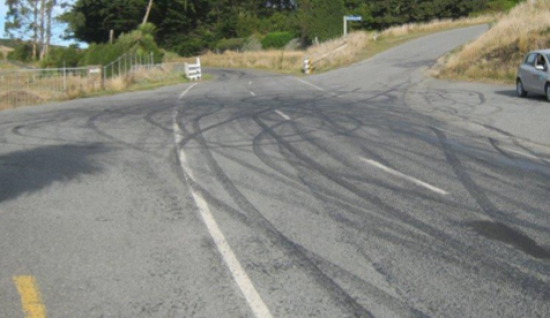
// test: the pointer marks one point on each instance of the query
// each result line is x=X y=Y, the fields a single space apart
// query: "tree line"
x=34 y=19
x=191 y=26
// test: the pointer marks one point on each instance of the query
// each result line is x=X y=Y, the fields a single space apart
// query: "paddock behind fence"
x=24 y=87
x=35 y=86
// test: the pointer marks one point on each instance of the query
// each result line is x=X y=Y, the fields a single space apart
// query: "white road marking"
x=259 y=308
x=282 y=115
x=187 y=90
x=312 y=85
x=528 y=155
x=401 y=175
x=250 y=83
x=252 y=93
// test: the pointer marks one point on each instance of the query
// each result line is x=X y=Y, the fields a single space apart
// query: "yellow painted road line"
x=31 y=301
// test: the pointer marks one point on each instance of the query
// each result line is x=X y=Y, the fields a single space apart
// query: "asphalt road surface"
x=262 y=195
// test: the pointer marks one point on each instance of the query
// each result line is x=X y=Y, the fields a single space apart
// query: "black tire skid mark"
x=259 y=221
x=506 y=272
x=383 y=227
x=17 y=130
x=344 y=299
x=91 y=124
x=336 y=271
x=139 y=109
x=347 y=163
x=482 y=200
x=475 y=191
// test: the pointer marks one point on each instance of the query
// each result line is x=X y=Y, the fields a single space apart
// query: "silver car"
x=533 y=75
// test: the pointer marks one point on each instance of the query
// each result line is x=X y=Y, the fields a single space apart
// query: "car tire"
x=547 y=91
x=520 y=90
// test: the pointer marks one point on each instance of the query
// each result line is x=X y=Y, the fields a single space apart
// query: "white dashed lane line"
x=282 y=115
x=404 y=176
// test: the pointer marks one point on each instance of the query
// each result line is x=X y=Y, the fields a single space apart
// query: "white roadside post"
x=307 y=66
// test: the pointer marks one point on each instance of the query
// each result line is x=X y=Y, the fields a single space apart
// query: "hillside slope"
x=495 y=56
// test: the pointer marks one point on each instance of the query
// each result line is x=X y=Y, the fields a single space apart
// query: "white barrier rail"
x=193 y=71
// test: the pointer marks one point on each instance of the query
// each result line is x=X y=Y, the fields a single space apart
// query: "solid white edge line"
x=312 y=85
x=406 y=177
x=253 y=298
x=282 y=115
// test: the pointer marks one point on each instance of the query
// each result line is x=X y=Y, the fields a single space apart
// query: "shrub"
x=59 y=57
x=500 y=5
x=140 y=41
x=234 y=44
x=252 y=44
x=22 y=52
x=276 y=40
x=102 y=54
x=188 y=46
x=170 y=56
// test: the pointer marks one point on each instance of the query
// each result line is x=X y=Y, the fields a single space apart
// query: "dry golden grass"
x=331 y=54
x=338 y=52
x=117 y=84
x=436 y=25
x=495 y=56
x=268 y=60
x=26 y=88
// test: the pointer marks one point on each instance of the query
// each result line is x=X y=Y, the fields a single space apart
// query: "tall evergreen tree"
x=322 y=19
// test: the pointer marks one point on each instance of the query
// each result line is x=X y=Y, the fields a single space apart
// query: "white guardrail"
x=193 y=71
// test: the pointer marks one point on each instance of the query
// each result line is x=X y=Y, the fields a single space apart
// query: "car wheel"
x=547 y=90
x=521 y=91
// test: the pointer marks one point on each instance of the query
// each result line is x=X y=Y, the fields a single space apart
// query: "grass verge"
x=495 y=56
x=81 y=88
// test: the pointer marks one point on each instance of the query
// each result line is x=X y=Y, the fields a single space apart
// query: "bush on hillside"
x=22 y=53
x=59 y=57
x=139 y=42
x=102 y=54
x=276 y=40
x=252 y=44
x=500 y=5
x=234 y=44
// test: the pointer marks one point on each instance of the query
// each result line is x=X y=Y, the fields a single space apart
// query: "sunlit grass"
x=496 y=55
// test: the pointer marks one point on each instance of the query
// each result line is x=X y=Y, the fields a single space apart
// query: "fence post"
x=104 y=76
x=64 y=77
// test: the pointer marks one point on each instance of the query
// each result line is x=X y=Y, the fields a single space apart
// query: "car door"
x=538 y=77
x=527 y=72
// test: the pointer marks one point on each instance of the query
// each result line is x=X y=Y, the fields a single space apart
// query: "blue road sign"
x=353 y=18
